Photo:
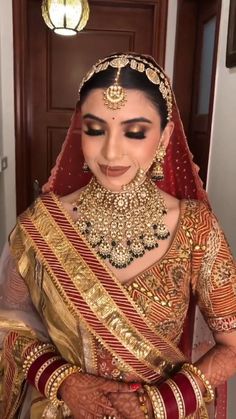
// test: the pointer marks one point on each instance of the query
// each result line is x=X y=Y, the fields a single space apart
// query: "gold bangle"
x=143 y=405
x=210 y=394
x=178 y=397
x=52 y=378
x=157 y=401
x=53 y=396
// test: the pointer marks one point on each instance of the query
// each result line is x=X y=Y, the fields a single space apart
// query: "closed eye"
x=94 y=132
x=137 y=135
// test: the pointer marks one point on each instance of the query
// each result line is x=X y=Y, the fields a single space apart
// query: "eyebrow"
x=141 y=119
x=128 y=121
x=95 y=118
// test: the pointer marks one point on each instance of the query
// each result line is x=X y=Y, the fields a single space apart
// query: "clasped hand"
x=90 y=397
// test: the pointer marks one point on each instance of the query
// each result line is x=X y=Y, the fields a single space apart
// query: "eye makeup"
x=135 y=135
x=135 y=131
x=93 y=132
x=135 y=128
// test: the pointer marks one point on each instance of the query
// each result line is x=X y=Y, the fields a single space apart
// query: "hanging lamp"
x=65 y=17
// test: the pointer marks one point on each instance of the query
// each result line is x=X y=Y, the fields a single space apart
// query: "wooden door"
x=195 y=66
x=49 y=68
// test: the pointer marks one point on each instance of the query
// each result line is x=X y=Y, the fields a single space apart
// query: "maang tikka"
x=115 y=96
x=157 y=172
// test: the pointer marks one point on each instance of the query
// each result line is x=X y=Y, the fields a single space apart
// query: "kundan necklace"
x=121 y=226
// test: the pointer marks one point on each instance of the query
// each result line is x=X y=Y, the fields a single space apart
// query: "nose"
x=112 y=146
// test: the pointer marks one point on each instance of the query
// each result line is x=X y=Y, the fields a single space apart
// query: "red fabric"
x=67 y=176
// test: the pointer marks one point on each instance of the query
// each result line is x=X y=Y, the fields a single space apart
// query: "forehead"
x=137 y=105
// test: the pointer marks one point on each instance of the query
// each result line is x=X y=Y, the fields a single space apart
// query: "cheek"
x=90 y=147
x=147 y=152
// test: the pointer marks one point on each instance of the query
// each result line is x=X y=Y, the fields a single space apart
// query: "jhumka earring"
x=85 y=167
x=157 y=172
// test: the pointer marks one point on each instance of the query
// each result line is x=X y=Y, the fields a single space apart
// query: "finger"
x=120 y=387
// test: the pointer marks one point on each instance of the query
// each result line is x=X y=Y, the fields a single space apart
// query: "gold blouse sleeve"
x=214 y=274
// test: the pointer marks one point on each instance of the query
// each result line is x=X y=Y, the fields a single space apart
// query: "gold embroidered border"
x=71 y=307
x=92 y=291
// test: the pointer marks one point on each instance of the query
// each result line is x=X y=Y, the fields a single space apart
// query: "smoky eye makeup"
x=136 y=132
x=93 y=130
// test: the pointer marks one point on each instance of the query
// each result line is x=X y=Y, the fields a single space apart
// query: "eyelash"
x=94 y=132
x=140 y=135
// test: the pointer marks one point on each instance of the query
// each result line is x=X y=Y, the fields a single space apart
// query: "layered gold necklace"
x=121 y=226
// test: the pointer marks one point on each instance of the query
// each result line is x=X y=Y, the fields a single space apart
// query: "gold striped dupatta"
x=94 y=295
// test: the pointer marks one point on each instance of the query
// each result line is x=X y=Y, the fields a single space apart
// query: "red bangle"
x=48 y=372
x=189 y=397
x=37 y=364
x=169 y=401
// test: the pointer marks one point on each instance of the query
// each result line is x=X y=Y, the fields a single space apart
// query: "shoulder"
x=172 y=203
x=70 y=198
x=198 y=209
x=204 y=222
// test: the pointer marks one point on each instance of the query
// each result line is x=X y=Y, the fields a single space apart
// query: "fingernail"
x=135 y=386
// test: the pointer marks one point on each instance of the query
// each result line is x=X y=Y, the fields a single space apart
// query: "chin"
x=113 y=184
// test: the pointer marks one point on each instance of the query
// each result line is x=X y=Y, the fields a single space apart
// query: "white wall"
x=7 y=131
x=170 y=38
x=221 y=184
x=222 y=167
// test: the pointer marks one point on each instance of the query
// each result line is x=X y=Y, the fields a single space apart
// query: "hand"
x=129 y=406
x=87 y=395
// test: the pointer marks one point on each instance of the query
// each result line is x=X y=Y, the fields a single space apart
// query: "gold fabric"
x=198 y=258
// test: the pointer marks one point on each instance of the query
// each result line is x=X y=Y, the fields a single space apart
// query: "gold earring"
x=85 y=167
x=157 y=172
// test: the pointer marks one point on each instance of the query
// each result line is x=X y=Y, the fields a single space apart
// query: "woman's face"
x=116 y=143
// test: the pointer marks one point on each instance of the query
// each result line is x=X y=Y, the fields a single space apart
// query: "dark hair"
x=129 y=79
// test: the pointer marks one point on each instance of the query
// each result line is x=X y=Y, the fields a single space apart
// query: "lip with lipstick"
x=113 y=171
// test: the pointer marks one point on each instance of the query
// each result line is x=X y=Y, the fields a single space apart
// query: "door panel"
x=194 y=72
x=203 y=83
x=49 y=68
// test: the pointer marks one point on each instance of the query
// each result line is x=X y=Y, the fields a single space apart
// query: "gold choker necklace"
x=121 y=226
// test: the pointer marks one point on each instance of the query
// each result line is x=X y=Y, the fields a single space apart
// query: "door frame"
x=184 y=61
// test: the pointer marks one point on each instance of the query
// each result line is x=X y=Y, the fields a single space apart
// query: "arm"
x=219 y=364
x=214 y=282
x=20 y=327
